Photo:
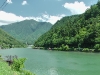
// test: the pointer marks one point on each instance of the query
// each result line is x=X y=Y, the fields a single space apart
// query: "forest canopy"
x=6 y=41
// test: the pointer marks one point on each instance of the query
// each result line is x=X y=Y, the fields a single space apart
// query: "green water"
x=43 y=62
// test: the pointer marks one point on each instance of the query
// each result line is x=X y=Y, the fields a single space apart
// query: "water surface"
x=47 y=62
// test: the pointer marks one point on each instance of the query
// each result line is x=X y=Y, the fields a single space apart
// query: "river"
x=47 y=62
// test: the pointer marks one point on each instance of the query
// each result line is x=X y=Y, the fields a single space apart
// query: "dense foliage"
x=76 y=31
x=27 y=31
x=6 y=41
x=18 y=65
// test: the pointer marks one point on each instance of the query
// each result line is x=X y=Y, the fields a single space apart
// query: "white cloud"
x=76 y=7
x=49 y=18
x=9 y=1
x=8 y=18
x=52 y=19
x=24 y=3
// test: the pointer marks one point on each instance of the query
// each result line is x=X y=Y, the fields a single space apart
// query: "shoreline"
x=86 y=50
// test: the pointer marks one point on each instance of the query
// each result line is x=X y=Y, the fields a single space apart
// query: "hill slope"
x=27 y=31
x=74 y=31
x=6 y=41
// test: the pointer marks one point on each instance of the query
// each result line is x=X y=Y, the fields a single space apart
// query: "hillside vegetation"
x=27 y=31
x=6 y=41
x=76 y=31
x=17 y=68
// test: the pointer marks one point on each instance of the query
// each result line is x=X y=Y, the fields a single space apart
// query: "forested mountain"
x=6 y=41
x=76 y=31
x=27 y=31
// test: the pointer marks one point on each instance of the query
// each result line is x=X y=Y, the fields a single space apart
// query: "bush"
x=59 y=49
x=97 y=47
x=85 y=50
x=55 y=48
x=18 y=64
x=75 y=49
x=64 y=47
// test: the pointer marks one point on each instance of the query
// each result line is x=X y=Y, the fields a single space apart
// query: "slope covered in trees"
x=27 y=31
x=76 y=31
x=6 y=41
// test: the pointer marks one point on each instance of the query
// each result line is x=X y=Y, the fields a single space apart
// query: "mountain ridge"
x=7 y=41
x=27 y=31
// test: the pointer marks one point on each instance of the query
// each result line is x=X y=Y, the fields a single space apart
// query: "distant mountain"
x=27 y=31
x=6 y=41
x=76 y=31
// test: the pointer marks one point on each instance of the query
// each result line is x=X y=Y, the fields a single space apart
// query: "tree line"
x=81 y=32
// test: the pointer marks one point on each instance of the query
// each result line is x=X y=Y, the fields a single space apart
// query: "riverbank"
x=5 y=69
x=66 y=48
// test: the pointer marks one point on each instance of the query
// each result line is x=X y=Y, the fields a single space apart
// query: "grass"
x=5 y=69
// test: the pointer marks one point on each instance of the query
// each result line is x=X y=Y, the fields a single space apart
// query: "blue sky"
x=41 y=10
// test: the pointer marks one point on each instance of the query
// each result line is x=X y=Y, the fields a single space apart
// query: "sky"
x=41 y=10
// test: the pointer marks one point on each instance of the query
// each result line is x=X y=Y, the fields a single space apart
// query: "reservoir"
x=47 y=62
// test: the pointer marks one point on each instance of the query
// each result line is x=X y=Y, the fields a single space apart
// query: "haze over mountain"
x=27 y=31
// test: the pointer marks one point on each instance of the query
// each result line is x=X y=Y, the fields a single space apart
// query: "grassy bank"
x=5 y=69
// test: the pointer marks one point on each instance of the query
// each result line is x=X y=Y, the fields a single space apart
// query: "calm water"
x=43 y=62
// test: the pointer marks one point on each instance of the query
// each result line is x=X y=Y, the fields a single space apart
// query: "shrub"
x=85 y=50
x=18 y=64
x=75 y=49
x=64 y=47
x=97 y=47
x=55 y=48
